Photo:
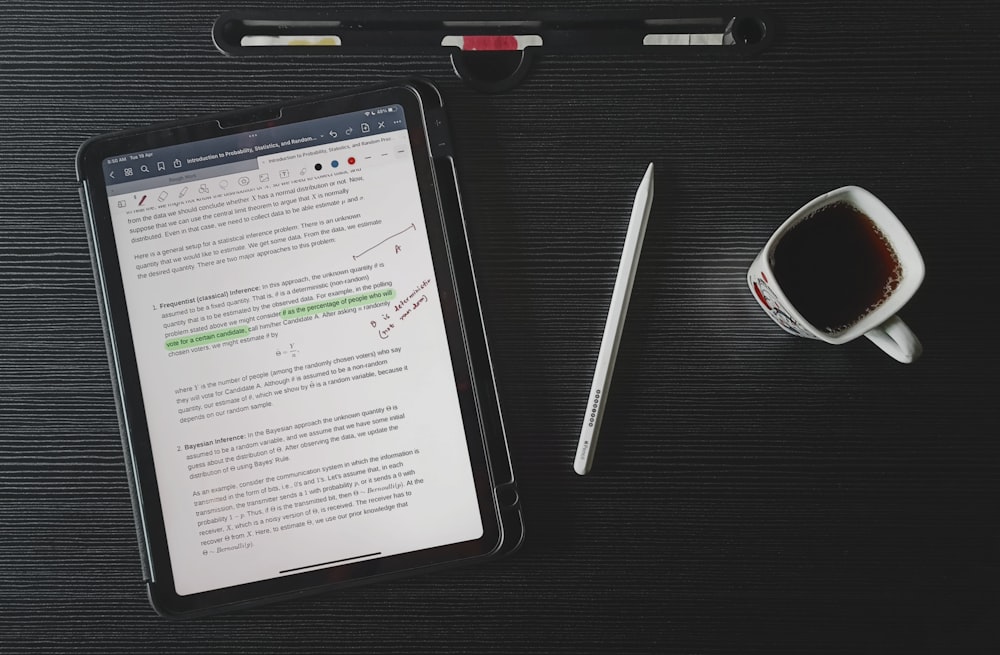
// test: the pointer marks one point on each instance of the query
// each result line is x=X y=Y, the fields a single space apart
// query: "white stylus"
x=613 y=327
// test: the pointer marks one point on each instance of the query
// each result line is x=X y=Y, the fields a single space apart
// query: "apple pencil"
x=613 y=327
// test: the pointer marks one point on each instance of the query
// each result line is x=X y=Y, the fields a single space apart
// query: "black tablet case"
x=503 y=483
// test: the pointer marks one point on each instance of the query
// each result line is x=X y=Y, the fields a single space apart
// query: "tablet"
x=297 y=350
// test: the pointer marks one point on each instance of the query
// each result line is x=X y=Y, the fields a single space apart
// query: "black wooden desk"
x=753 y=491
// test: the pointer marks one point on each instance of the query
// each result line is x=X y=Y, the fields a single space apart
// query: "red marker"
x=142 y=200
x=351 y=160
x=490 y=43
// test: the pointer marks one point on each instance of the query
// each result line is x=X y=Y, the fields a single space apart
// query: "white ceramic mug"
x=881 y=324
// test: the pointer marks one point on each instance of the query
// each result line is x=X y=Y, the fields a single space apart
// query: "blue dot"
x=335 y=163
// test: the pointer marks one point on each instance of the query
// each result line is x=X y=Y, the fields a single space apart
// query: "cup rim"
x=902 y=243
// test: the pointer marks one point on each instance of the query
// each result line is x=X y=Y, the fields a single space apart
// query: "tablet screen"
x=291 y=349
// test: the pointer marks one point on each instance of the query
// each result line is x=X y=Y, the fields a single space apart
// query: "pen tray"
x=497 y=53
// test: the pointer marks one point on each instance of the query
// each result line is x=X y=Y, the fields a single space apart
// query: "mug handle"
x=896 y=339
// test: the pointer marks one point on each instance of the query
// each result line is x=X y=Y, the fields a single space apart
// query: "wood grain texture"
x=752 y=493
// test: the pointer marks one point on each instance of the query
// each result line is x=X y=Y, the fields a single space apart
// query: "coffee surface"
x=836 y=267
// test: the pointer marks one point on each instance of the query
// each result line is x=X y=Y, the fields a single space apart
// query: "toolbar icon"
x=144 y=168
x=283 y=173
x=163 y=196
x=365 y=128
x=160 y=166
x=264 y=177
x=244 y=180
x=183 y=192
x=128 y=172
x=177 y=163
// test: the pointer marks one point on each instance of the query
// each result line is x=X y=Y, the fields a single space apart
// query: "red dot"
x=351 y=160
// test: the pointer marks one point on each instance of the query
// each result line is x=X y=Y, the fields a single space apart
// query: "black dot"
x=748 y=31
x=318 y=167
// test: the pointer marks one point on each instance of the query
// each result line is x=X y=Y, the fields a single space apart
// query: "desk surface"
x=753 y=491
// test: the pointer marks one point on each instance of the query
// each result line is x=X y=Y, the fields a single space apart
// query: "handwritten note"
x=402 y=310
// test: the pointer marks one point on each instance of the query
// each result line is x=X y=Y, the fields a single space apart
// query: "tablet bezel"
x=128 y=389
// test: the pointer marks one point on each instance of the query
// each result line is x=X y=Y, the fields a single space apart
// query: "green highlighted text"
x=204 y=338
x=338 y=304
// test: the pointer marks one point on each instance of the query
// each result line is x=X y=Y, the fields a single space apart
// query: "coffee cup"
x=841 y=267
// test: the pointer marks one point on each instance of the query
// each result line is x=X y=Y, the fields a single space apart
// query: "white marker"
x=613 y=327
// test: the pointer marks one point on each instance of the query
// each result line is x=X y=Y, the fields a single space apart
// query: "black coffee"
x=836 y=267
